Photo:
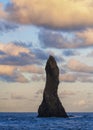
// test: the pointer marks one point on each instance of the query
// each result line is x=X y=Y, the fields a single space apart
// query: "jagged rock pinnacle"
x=51 y=105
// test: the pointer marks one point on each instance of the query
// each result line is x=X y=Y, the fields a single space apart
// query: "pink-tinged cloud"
x=7 y=70
x=32 y=69
x=12 y=49
x=11 y=74
x=68 y=77
x=20 y=78
x=57 y=14
x=12 y=54
x=86 y=36
x=77 y=66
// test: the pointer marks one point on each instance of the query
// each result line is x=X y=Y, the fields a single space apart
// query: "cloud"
x=16 y=55
x=76 y=70
x=85 y=78
x=20 y=54
x=77 y=66
x=66 y=93
x=7 y=70
x=17 y=60
x=86 y=37
x=68 y=77
x=32 y=69
x=52 y=39
x=13 y=49
x=20 y=78
x=14 y=78
x=2 y=52
x=90 y=54
x=56 y=14
x=23 y=44
x=2 y=12
x=40 y=54
x=7 y=26
x=76 y=76
x=69 y=53
x=11 y=74
x=20 y=60
x=36 y=77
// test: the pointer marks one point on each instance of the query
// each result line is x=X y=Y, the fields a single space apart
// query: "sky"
x=30 y=31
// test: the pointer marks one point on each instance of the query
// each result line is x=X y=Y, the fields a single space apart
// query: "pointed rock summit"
x=51 y=105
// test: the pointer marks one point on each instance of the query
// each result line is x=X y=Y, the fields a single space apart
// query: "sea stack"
x=51 y=105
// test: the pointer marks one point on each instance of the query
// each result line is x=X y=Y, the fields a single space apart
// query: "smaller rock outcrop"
x=51 y=105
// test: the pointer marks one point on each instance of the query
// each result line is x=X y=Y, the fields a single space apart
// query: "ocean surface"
x=29 y=121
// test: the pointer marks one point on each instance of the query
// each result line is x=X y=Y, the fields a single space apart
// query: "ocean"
x=29 y=121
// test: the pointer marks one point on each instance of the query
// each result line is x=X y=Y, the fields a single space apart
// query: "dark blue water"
x=29 y=121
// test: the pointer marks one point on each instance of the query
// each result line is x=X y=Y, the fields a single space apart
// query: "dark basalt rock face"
x=51 y=105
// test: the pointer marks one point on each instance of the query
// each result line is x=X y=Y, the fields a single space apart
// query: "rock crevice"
x=51 y=105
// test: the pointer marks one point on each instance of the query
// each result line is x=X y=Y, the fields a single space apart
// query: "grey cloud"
x=14 y=78
x=23 y=44
x=21 y=59
x=90 y=54
x=69 y=53
x=40 y=54
x=77 y=66
x=52 y=39
x=6 y=26
x=2 y=53
x=73 y=77
x=85 y=78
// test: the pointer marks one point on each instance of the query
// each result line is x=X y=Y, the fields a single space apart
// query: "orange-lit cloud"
x=12 y=49
x=7 y=70
x=78 y=66
x=86 y=36
x=10 y=74
x=58 y=14
x=32 y=69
